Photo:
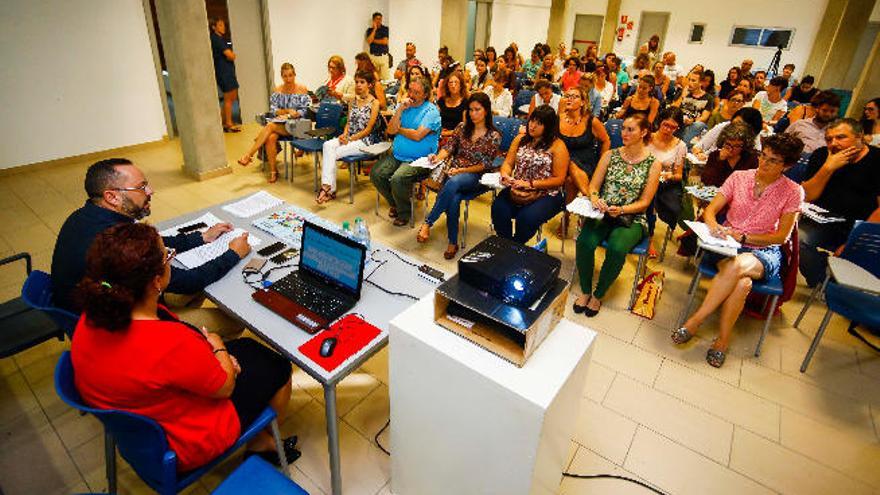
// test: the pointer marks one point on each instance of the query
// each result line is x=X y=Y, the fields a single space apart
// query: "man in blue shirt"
x=417 y=125
x=377 y=38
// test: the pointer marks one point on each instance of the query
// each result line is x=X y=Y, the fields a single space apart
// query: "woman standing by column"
x=224 y=72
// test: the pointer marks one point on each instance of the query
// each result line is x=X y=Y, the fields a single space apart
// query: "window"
x=697 y=30
x=761 y=37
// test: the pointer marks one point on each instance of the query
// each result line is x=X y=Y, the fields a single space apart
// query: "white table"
x=851 y=275
x=233 y=296
x=466 y=421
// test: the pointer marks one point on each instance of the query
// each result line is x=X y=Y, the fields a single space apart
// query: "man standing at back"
x=377 y=38
x=119 y=193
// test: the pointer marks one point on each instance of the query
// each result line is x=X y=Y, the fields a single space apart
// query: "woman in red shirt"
x=130 y=353
x=572 y=75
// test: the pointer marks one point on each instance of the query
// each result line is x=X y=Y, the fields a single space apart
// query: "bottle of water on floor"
x=362 y=232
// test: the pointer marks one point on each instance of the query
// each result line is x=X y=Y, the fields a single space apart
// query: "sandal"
x=273 y=177
x=681 y=336
x=400 y=222
x=245 y=160
x=231 y=129
x=715 y=358
x=325 y=195
x=424 y=234
x=590 y=312
x=392 y=212
x=578 y=309
x=450 y=252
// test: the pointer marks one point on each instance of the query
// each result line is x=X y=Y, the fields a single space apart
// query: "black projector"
x=509 y=271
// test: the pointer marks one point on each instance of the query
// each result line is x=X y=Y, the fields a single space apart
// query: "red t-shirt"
x=163 y=370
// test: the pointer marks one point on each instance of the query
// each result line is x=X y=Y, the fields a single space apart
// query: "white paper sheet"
x=584 y=207
x=208 y=218
x=818 y=214
x=695 y=159
x=424 y=162
x=377 y=148
x=253 y=204
x=727 y=246
x=207 y=252
x=492 y=179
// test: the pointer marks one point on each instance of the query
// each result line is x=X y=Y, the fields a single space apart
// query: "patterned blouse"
x=466 y=153
x=624 y=183
x=295 y=101
x=534 y=164
x=358 y=119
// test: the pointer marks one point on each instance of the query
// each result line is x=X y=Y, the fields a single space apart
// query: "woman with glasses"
x=338 y=84
x=622 y=188
x=709 y=141
x=871 y=122
x=670 y=152
x=130 y=353
x=288 y=101
x=735 y=101
x=642 y=102
x=735 y=152
x=762 y=208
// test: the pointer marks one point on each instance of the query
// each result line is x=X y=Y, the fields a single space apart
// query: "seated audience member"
x=471 y=67
x=439 y=71
x=709 y=142
x=736 y=151
x=511 y=62
x=360 y=130
x=642 y=102
x=729 y=84
x=481 y=79
x=735 y=101
x=533 y=64
x=604 y=87
x=572 y=74
x=812 y=130
x=544 y=95
x=803 y=92
x=707 y=82
x=120 y=194
x=871 y=122
x=559 y=59
x=130 y=353
x=442 y=56
x=745 y=85
x=697 y=105
x=339 y=85
x=502 y=99
x=617 y=74
x=799 y=112
x=413 y=72
x=651 y=48
x=416 y=123
x=590 y=59
x=534 y=172
x=661 y=80
x=745 y=68
x=762 y=208
x=770 y=102
x=491 y=58
x=641 y=67
x=363 y=62
x=453 y=104
x=623 y=187
x=787 y=71
x=673 y=71
x=670 y=152
x=547 y=71
x=407 y=62
x=758 y=82
x=843 y=178
x=291 y=101
x=588 y=84
x=469 y=152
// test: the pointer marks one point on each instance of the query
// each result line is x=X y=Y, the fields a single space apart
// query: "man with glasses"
x=844 y=178
x=812 y=130
x=119 y=193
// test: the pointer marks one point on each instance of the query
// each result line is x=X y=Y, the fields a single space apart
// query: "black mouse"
x=327 y=346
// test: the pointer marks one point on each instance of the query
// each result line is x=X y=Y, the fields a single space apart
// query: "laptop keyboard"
x=318 y=301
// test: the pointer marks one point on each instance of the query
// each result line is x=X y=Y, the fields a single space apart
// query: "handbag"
x=649 y=289
x=668 y=202
x=438 y=176
x=625 y=220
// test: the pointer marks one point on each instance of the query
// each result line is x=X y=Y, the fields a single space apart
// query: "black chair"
x=23 y=325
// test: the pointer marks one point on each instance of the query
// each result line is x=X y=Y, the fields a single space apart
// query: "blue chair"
x=25 y=325
x=614 y=129
x=772 y=289
x=640 y=250
x=257 y=476
x=354 y=163
x=523 y=97
x=798 y=171
x=142 y=441
x=326 y=126
x=863 y=249
x=37 y=293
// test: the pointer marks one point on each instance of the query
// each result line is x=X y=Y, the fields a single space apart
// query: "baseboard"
x=93 y=156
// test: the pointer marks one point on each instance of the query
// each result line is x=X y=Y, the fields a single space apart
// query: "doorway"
x=650 y=24
x=587 y=31
x=482 y=20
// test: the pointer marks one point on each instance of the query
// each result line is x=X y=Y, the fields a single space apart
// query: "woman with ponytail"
x=130 y=353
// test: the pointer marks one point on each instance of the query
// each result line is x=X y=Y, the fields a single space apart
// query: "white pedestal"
x=465 y=421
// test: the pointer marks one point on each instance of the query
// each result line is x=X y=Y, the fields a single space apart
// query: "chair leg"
x=317 y=186
x=276 y=433
x=377 y=203
x=669 y=232
x=462 y=242
x=643 y=259
x=769 y=309
x=110 y=461
x=815 y=292
x=687 y=308
x=816 y=340
x=697 y=261
x=351 y=180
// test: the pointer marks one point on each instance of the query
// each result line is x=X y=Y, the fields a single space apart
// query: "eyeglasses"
x=669 y=125
x=771 y=159
x=736 y=101
x=572 y=96
x=142 y=188
x=170 y=253
x=732 y=146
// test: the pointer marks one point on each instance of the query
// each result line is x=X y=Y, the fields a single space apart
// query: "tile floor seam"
x=387 y=483
x=659 y=369
x=308 y=478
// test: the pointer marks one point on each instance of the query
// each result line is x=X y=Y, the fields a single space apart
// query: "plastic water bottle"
x=346 y=230
x=362 y=232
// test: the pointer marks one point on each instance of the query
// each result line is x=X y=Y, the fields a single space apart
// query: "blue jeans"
x=456 y=189
x=528 y=217
x=692 y=131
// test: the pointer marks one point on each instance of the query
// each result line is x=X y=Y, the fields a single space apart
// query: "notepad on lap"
x=727 y=246
x=582 y=206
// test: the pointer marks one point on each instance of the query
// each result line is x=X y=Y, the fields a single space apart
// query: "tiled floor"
x=650 y=410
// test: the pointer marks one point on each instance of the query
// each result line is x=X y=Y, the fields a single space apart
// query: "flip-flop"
x=681 y=336
x=231 y=129
x=243 y=162
x=715 y=358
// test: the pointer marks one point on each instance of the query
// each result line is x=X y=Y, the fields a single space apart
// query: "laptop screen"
x=333 y=257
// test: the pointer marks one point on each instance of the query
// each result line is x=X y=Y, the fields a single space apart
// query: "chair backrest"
x=523 y=97
x=328 y=115
x=798 y=171
x=614 y=127
x=863 y=246
x=37 y=293
x=140 y=440
x=508 y=127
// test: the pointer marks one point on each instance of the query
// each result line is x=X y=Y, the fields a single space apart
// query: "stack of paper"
x=818 y=214
x=703 y=193
x=727 y=246
x=584 y=207
x=424 y=162
x=492 y=179
x=207 y=252
x=377 y=148
x=695 y=159
x=253 y=204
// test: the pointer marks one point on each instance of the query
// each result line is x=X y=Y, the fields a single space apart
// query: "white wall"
x=720 y=16
x=522 y=21
x=417 y=21
x=76 y=77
